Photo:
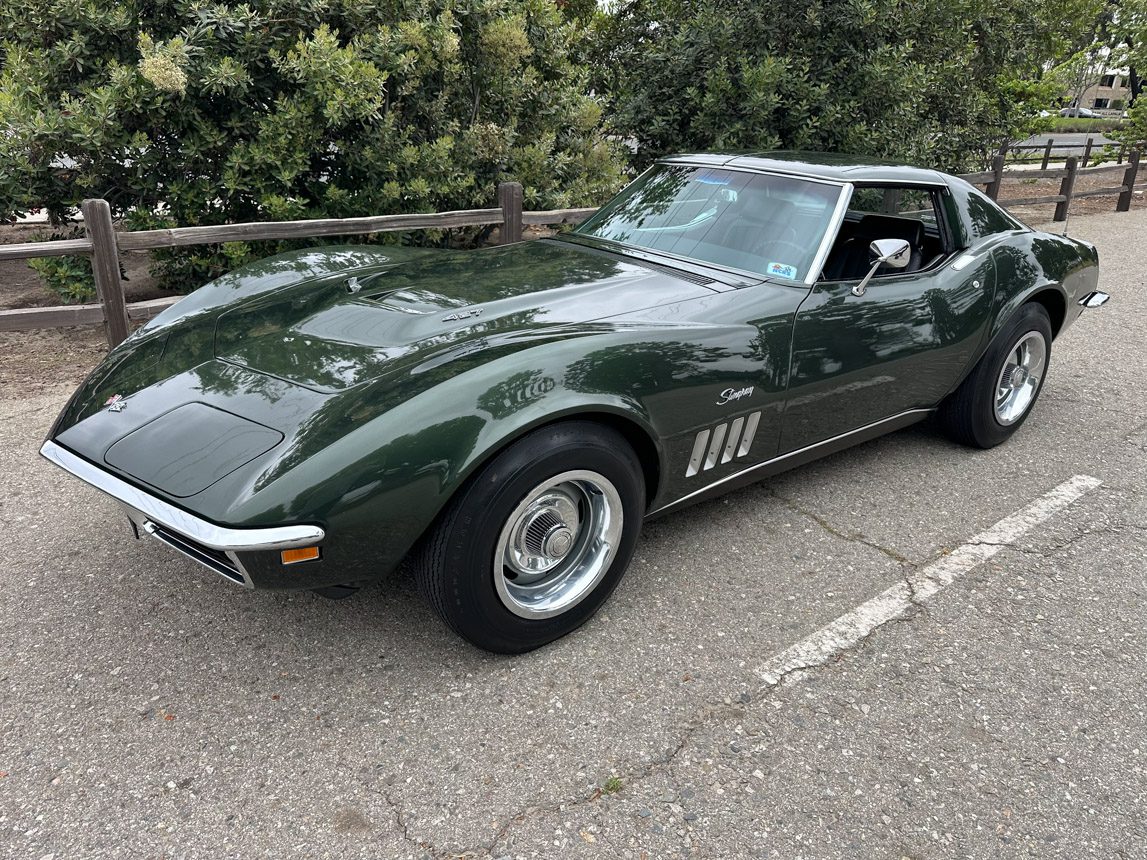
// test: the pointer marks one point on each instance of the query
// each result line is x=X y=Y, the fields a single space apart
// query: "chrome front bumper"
x=1094 y=300
x=213 y=546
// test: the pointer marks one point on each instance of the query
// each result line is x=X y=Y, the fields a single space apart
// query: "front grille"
x=215 y=559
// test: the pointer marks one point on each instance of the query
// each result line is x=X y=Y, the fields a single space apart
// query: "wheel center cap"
x=558 y=542
x=1019 y=377
x=546 y=536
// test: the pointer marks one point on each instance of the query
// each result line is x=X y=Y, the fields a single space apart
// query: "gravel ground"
x=149 y=710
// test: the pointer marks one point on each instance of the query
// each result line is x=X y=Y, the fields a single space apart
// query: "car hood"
x=344 y=330
x=219 y=399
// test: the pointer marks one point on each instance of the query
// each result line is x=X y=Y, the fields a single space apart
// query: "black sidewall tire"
x=970 y=414
x=456 y=571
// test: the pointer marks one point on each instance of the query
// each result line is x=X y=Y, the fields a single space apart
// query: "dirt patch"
x=1079 y=206
x=21 y=287
x=34 y=361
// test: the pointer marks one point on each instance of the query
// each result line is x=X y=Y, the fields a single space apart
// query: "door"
x=904 y=344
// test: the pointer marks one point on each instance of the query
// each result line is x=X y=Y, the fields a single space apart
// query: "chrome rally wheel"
x=557 y=544
x=533 y=543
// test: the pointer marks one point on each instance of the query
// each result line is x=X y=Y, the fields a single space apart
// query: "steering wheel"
x=789 y=235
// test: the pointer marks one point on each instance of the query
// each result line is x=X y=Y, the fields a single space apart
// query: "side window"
x=903 y=202
x=887 y=212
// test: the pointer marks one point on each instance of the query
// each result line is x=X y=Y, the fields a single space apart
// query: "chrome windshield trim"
x=751 y=168
x=830 y=234
x=178 y=520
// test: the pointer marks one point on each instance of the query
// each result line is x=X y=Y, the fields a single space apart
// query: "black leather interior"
x=850 y=258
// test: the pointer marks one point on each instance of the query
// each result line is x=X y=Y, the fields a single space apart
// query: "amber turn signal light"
x=305 y=553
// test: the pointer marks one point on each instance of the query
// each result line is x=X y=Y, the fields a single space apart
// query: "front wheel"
x=536 y=541
x=999 y=393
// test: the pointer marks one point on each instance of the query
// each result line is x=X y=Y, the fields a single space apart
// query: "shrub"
x=1133 y=132
x=186 y=112
x=1076 y=125
x=70 y=278
x=936 y=82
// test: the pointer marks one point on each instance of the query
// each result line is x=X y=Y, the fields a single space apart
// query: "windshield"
x=768 y=225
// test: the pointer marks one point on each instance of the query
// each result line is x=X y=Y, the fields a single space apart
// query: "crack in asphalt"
x=400 y=823
x=704 y=718
x=400 y=820
x=631 y=777
x=917 y=607
x=851 y=537
x=1059 y=546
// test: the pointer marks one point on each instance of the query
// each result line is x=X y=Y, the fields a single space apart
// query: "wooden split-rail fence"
x=104 y=244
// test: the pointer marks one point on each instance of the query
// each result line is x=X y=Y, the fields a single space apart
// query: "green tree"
x=1130 y=26
x=192 y=112
x=1133 y=134
x=941 y=82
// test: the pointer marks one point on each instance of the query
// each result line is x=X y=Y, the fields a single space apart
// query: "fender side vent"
x=725 y=442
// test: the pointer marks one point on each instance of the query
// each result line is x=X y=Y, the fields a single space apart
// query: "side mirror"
x=886 y=252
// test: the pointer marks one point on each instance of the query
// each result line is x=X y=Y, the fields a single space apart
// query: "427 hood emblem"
x=462 y=315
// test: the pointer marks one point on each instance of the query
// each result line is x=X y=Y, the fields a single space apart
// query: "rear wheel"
x=999 y=393
x=536 y=541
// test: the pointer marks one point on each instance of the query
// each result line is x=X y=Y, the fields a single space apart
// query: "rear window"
x=986 y=217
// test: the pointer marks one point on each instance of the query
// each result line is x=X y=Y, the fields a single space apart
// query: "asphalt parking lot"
x=850 y=660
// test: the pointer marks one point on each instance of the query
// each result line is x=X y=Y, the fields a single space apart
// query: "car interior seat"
x=850 y=260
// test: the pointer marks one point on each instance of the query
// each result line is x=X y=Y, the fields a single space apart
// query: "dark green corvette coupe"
x=508 y=417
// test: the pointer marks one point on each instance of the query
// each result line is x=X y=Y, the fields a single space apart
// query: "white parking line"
x=850 y=628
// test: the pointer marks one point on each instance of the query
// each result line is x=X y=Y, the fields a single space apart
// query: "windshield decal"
x=783 y=270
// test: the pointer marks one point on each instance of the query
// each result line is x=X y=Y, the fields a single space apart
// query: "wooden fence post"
x=510 y=202
x=105 y=267
x=1065 y=189
x=1087 y=150
x=1047 y=153
x=1124 y=202
x=993 y=188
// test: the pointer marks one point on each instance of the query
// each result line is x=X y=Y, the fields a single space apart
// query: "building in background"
x=1108 y=94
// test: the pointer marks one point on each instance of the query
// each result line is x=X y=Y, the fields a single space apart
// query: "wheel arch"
x=1055 y=305
x=640 y=437
x=1049 y=295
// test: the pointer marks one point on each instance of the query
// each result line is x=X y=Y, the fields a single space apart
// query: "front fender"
x=377 y=488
